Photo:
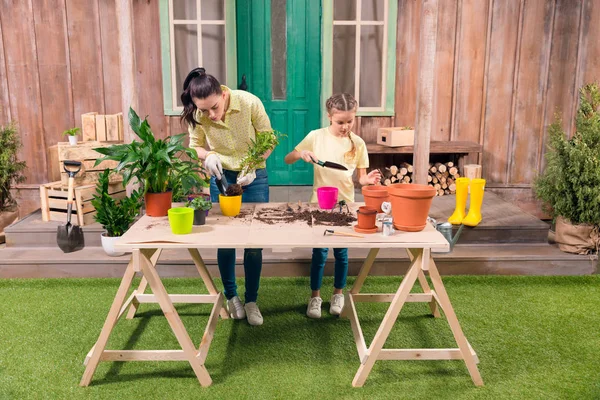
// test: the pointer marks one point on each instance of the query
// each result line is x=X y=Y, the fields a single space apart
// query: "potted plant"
x=115 y=216
x=570 y=184
x=188 y=182
x=72 y=134
x=11 y=173
x=158 y=165
x=200 y=205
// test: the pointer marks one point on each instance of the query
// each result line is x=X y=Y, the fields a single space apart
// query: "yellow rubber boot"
x=462 y=189
x=473 y=218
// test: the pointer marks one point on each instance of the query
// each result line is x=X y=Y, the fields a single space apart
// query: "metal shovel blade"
x=69 y=238
x=222 y=184
x=329 y=164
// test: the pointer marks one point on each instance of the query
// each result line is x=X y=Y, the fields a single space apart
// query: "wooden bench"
x=458 y=148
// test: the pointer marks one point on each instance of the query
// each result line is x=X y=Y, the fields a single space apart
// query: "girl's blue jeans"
x=256 y=192
x=319 y=257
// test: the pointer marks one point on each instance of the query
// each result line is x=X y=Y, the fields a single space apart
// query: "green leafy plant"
x=187 y=180
x=116 y=216
x=263 y=142
x=11 y=170
x=71 y=132
x=159 y=165
x=200 y=203
x=570 y=184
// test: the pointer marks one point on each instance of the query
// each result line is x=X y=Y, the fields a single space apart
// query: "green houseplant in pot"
x=115 y=216
x=158 y=165
x=72 y=135
x=570 y=184
x=11 y=173
x=200 y=205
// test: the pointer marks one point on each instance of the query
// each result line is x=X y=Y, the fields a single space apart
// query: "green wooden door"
x=279 y=53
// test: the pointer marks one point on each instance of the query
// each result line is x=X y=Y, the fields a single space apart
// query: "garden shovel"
x=329 y=164
x=69 y=237
x=222 y=184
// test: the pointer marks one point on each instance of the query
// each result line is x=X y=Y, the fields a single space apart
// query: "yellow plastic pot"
x=181 y=220
x=230 y=205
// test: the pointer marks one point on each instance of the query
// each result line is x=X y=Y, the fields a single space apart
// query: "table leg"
x=433 y=305
x=459 y=336
x=174 y=321
x=109 y=323
x=360 y=279
x=388 y=321
x=206 y=278
x=143 y=284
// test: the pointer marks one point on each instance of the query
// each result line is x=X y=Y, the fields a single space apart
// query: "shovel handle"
x=346 y=234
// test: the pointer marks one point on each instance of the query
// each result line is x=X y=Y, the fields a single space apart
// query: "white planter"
x=72 y=140
x=108 y=244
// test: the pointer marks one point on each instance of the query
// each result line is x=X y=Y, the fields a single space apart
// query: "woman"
x=226 y=120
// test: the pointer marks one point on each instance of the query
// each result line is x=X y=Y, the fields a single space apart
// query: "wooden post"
x=425 y=90
x=127 y=59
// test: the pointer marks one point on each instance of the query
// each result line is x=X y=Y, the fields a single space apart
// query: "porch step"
x=526 y=259
x=502 y=223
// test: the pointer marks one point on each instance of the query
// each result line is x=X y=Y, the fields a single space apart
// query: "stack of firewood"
x=441 y=176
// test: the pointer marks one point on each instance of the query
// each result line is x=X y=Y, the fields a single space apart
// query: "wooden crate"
x=53 y=198
x=85 y=153
x=395 y=137
x=99 y=127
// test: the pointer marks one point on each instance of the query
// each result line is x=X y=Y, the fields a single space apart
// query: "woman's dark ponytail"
x=197 y=84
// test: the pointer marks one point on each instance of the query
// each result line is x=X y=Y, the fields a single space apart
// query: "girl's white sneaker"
x=253 y=313
x=235 y=308
x=337 y=304
x=314 y=307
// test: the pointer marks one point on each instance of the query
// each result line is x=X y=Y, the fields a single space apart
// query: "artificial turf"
x=536 y=338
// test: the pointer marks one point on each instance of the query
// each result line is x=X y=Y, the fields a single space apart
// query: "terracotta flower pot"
x=366 y=217
x=410 y=205
x=158 y=204
x=375 y=195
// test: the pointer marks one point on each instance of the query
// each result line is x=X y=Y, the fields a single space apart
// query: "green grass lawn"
x=536 y=338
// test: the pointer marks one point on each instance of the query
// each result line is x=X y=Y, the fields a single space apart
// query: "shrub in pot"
x=115 y=216
x=200 y=205
x=158 y=165
x=11 y=173
x=72 y=135
x=570 y=183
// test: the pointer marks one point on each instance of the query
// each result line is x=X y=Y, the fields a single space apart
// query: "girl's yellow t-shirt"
x=328 y=147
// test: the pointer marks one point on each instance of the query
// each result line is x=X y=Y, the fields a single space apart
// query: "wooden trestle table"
x=148 y=237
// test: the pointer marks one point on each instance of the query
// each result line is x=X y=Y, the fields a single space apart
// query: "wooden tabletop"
x=245 y=231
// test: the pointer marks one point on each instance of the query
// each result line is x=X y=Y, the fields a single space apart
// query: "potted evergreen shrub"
x=200 y=205
x=158 y=165
x=72 y=135
x=570 y=184
x=11 y=173
x=115 y=216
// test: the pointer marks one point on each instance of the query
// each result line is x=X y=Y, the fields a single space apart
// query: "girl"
x=339 y=144
x=226 y=120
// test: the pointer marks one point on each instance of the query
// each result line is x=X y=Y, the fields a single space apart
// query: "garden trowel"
x=222 y=184
x=329 y=164
x=69 y=237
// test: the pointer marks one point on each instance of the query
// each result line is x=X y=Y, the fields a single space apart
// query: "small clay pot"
x=366 y=217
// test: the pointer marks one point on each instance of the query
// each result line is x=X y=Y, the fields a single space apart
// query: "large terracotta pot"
x=158 y=204
x=375 y=195
x=410 y=205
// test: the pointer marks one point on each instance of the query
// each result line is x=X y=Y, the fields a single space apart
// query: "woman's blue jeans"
x=319 y=257
x=256 y=192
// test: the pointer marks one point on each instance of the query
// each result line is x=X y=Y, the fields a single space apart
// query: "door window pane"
x=344 y=10
x=344 y=54
x=213 y=51
x=185 y=52
x=372 y=10
x=184 y=9
x=212 y=10
x=278 y=49
x=371 y=62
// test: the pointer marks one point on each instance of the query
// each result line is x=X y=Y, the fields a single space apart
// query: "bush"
x=11 y=170
x=570 y=184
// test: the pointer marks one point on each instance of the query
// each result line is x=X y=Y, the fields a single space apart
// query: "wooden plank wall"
x=503 y=68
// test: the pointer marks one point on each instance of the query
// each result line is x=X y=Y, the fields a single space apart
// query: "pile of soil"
x=273 y=215
x=333 y=218
x=234 y=190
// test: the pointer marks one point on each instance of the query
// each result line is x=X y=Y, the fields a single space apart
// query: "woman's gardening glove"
x=212 y=163
x=246 y=178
